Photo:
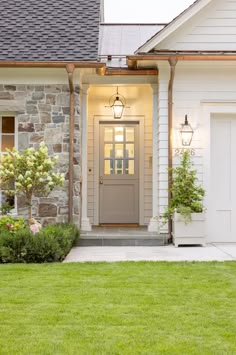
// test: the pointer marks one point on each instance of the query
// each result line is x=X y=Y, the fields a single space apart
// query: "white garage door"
x=222 y=194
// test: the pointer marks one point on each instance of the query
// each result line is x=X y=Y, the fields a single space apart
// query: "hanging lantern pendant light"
x=117 y=105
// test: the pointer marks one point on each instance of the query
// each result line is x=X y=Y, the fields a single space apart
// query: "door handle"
x=101 y=180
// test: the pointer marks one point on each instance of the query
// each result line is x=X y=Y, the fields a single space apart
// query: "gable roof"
x=116 y=41
x=46 y=30
x=178 y=21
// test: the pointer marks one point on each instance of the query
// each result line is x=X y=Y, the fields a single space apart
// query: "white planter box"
x=190 y=233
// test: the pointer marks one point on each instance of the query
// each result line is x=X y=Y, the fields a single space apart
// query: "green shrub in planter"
x=51 y=244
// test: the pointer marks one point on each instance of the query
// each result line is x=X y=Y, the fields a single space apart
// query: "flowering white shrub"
x=32 y=172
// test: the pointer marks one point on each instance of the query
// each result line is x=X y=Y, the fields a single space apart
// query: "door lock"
x=101 y=180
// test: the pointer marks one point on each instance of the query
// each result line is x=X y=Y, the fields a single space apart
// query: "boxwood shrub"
x=51 y=244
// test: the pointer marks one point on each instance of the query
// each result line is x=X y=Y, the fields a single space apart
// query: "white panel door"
x=222 y=194
x=119 y=173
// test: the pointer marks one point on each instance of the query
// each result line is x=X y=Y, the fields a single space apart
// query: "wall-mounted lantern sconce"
x=117 y=102
x=186 y=133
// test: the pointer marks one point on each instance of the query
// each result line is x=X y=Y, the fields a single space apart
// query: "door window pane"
x=129 y=134
x=108 y=134
x=118 y=166
x=8 y=124
x=129 y=167
x=108 y=151
x=119 y=150
x=129 y=150
x=108 y=167
x=7 y=142
x=119 y=134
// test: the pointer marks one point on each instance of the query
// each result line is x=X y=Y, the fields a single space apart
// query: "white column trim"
x=85 y=222
x=153 y=223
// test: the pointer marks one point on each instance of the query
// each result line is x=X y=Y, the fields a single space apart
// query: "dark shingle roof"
x=49 y=30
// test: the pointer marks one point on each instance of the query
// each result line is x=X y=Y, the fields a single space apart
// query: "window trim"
x=10 y=114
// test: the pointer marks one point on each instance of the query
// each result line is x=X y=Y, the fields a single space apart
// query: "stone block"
x=10 y=87
x=44 y=107
x=47 y=221
x=47 y=210
x=66 y=110
x=65 y=88
x=65 y=147
x=23 y=141
x=34 y=119
x=23 y=118
x=21 y=95
x=36 y=138
x=39 y=127
x=26 y=127
x=45 y=117
x=58 y=118
x=76 y=191
x=52 y=88
x=31 y=109
x=53 y=135
x=56 y=109
x=76 y=203
x=39 y=88
x=57 y=148
x=6 y=96
x=63 y=210
x=51 y=99
x=20 y=87
x=63 y=100
x=38 y=95
x=77 y=89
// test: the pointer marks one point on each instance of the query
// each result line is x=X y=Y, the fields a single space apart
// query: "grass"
x=118 y=308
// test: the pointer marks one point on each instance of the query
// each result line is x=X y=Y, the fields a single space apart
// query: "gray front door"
x=119 y=173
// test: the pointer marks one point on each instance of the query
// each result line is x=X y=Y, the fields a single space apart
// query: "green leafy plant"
x=51 y=244
x=5 y=208
x=31 y=171
x=186 y=194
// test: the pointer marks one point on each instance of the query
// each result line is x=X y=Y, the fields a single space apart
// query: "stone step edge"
x=122 y=243
x=123 y=236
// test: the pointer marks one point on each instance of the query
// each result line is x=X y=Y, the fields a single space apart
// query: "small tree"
x=32 y=173
x=186 y=194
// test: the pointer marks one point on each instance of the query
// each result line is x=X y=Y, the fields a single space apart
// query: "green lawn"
x=118 y=308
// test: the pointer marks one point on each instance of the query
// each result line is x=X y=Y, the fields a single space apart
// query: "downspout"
x=172 y=62
x=70 y=70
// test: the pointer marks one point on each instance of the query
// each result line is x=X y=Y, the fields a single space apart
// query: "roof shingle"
x=49 y=30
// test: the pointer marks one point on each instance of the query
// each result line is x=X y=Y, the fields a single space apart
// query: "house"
x=58 y=85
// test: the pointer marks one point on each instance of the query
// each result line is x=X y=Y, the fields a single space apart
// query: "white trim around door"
x=210 y=112
x=126 y=119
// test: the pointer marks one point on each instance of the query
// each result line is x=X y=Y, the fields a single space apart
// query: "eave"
x=132 y=60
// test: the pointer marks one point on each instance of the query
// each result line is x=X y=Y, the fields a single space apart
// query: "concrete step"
x=121 y=238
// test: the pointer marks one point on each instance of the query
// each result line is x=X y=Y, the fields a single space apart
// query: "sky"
x=145 y=11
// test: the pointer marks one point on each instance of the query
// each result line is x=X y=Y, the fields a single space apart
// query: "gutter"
x=172 y=63
x=12 y=64
x=132 y=60
x=70 y=70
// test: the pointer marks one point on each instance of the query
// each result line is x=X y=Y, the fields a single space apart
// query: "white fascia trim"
x=173 y=26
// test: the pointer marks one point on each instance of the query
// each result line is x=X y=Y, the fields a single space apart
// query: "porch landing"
x=121 y=236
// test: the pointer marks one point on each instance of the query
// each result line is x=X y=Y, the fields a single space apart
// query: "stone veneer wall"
x=44 y=116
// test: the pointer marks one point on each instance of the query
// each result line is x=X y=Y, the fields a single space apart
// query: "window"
x=7 y=140
x=119 y=148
